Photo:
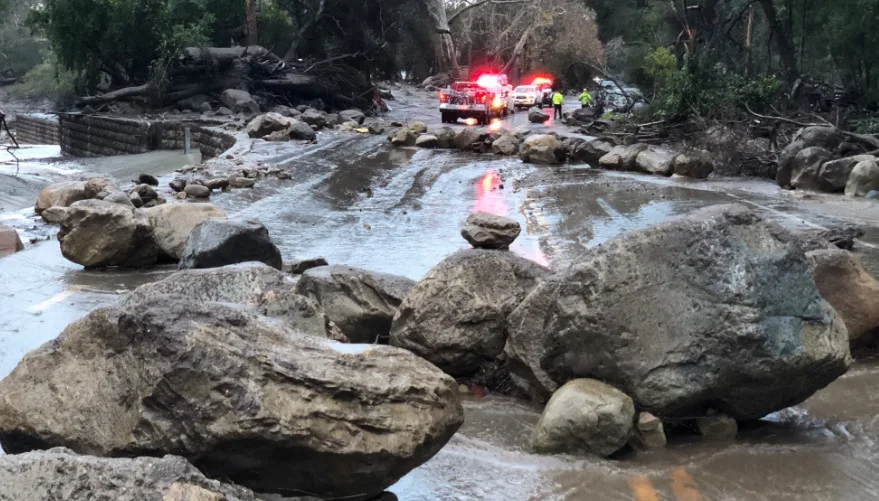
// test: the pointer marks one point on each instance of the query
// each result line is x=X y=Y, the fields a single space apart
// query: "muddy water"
x=354 y=201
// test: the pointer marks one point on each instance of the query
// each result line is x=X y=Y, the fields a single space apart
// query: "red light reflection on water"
x=490 y=200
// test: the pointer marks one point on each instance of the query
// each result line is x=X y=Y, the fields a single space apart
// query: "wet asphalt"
x=354 y=200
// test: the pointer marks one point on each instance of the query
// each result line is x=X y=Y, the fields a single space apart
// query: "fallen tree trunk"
x=116 y=95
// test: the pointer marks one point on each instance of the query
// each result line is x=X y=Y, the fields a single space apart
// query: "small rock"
x=403 y=137
x=135 y=199
x=489 y=231
x=117 y=197
x=427 y=141
x=537 y=116
x=242 y=182
x=177 y=185
x=718 y=427
x=180 y=196
x=217 y=184
x=147 y=179
x=302 y=131
x=238 y=101
x=145 y=191
x=225 y=112
x=197 y=191
x=10 y=242
x=300 y=266
x=650 y=431
x=417 y=127
x=585 y=415
x=54 y=215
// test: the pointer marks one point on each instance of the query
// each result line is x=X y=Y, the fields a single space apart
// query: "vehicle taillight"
x=443 y=98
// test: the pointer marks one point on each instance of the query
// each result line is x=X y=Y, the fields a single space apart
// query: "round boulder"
x=537 y=116
x=585 y=416
x=489 y=231
x=220 y=242
x=173 y=223
x=542 y=149
x=718 y=309
x=66 y=193
x=96 y=233
x=850 y=289
x=455 y=317
x=863 y=179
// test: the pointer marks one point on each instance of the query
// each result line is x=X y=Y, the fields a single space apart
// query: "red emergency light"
x=538 y=81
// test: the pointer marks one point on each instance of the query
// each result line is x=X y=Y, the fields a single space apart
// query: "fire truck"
x=486 y=98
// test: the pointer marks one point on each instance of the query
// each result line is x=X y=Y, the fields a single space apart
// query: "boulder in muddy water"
x=717 y=426
x=238 y=101
x=655 y=160
x=219 y=242
x=269 y=123
x=145 y=191
x=97 y=233
x=197 y=191
x=255 y=286
x=427 y=141
x=806 y=166
x=850 y=289
x=622 y=157
x=507 y=145
x=693 y=164
x=376 y=126
x=241 y=182
x=863 y=179
x=585 y=416
x=238 y=394
x=456 y=316
x=173 y=223
x=301 y=131
x=649 y=431
x=360 y=302
x=589 y=151
x=60 y=474
x=10 y=242
x=353 y=115
x=469 y=137
x=544 y=149
x=148 y=179
x=537 y=116
x=177 y=185
x=641 y=313
x=314 y=118
x=286 y=111
x=490 y=231
x=445 y=137
x=834 y=174
x=66 y=193
x=135 y=200
x=417 y=127
x=217 y=184
x=403 y=137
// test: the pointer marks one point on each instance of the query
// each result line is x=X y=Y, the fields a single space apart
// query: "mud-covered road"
x=356 y=201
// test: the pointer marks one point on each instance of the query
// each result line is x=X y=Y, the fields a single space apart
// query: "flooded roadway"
x=355 y=201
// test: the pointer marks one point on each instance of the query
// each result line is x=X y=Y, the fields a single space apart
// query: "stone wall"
x=37 y=129
x=90 y=136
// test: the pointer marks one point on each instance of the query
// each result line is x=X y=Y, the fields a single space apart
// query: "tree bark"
x=250 y=20
x=444 y=47
x=784 y=41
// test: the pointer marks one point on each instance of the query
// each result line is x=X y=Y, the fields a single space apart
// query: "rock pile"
x=243 y=397
x=817 y=160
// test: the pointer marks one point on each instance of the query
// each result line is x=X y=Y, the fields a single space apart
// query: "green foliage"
x=19 y=51
x=612 y=116
x=660 y=64
x=713 y=92
x=47 y=81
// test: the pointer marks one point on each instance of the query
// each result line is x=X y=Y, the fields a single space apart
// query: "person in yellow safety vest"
x=557 y=100
x=585 y=99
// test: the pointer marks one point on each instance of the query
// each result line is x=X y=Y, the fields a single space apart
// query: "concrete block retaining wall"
x=31 y=129
x=94 y=136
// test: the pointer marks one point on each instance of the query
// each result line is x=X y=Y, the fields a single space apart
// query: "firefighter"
x=557 y=100
x=585 y=99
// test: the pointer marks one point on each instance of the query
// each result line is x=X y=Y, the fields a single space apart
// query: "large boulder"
x=219 y=242
x=589 y=151
x=580 y=117
x=834 y=174
x=237 y=394
x=828 y=138
x=490 y=231
x=693 y=163
x=314 y=118
x=715 y=310
x=10 y=242
x=239 y=101
x=352 y=115
x=445 y=137
x=655 y=160
x=622 y=157
x=863 y=179
x=254 y=285
x=66 y=193
x=850 y=289
x=805 y=167
x=95 y=233
x=173 y=223
x=360 y=302
x=507 y=145
x=542 y=149
x=537 y=116
x=403 y=137
x=60 y=474
x=456 y=316
x=268 y=123
x=301 y=131
x=427 y=141
x=468 y=137
x=585 y=415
